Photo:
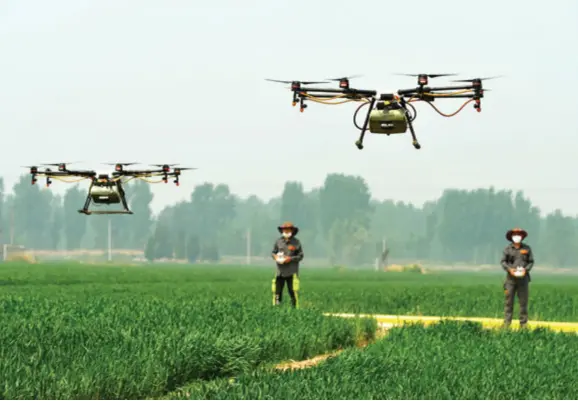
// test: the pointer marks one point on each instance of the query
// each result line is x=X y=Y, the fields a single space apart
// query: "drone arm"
x=360 y=92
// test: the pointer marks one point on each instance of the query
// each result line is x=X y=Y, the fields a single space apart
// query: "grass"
x=450 y=360
x=89 y=331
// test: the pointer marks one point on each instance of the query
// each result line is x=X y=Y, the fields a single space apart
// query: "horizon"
x=61 y=189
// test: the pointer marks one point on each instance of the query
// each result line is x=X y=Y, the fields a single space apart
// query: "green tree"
x=344 y=205
x=32 y=209
x=140 y=224
x=74 y=222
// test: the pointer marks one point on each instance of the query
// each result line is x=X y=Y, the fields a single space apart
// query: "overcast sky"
x=183 y=82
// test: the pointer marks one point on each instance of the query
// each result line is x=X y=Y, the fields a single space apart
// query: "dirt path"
x=308 y=363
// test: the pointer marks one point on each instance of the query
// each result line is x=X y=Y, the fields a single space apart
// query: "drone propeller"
x=119 y=166
x=426 y=75
x=165 y=167
x=33 y=169
x=296 y=85
x=301 y=82
x=477 y=79
x=422 y=79
x=161 y=165
x=343 y=78
x=179 y=169
x=344 y=81
x=61 y=166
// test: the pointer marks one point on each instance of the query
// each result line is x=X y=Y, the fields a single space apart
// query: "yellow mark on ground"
x=398 y=320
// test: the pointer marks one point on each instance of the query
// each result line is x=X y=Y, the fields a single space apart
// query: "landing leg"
x=86 y=202
x=415 y=143
x=359 y=142
x=122 y=197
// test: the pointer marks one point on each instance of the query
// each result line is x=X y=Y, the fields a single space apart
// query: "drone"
x=107 y=189
x=394 y=113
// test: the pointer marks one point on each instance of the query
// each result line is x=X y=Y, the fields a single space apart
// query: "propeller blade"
x=276 y=80
x=474 y=79
x=165 y=164
x=428 y=75
x=342 y=78
x=300 y=82
x=122 y=164
x=186 y=168
x=58 y=164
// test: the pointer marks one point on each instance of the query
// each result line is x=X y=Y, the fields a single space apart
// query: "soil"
x=308 y=363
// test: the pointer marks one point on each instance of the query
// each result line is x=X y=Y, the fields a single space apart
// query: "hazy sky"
x=183 y=82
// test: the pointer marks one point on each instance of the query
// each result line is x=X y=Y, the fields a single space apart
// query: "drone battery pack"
x=387 y=121
x=104 y=194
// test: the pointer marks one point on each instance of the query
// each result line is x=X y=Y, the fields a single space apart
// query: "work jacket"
x=290 y=247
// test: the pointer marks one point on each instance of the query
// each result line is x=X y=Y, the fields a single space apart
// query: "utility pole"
x=185 y=245
x=12 y=224
x=381 y=259
x=109 y=240
x=248 y=236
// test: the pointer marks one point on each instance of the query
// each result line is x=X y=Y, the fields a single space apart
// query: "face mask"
x=286 y=234
x=517 y=239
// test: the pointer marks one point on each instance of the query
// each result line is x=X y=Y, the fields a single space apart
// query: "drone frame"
x=104 y=180
x=403 y=98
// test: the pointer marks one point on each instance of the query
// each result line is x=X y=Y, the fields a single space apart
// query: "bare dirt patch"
x=309 y=363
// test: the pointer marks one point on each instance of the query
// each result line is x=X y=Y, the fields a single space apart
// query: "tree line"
x=339 y=221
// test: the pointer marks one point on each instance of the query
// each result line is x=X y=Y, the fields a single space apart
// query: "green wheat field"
x=73 y=331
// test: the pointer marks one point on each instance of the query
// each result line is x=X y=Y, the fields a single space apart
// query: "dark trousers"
x=521 y=287
x=279 y=286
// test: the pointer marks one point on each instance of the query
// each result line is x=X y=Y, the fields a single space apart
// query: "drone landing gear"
x=414 y=141
x=89 y=212
x=359 y=142
x=85 y=209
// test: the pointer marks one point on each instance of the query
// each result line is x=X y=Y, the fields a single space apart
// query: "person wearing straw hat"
x=287 y=253
x=517 y=261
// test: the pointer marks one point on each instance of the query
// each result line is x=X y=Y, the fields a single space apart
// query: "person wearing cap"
x=287 y=253
x=517 y=261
